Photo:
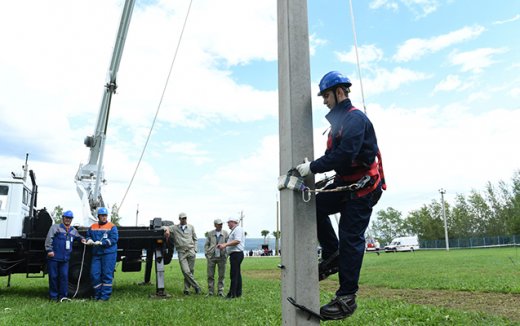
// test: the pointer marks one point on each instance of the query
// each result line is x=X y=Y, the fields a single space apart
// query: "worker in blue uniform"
x=353 y=153
x=103 y=236
x=58 y=245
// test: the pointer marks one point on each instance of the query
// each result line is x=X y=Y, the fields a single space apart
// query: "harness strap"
x=375 y=172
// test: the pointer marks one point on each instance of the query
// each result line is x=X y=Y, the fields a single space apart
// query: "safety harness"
x=362 y=182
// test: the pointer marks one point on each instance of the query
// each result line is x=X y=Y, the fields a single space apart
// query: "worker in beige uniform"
x=216 y=257
x=185 y=241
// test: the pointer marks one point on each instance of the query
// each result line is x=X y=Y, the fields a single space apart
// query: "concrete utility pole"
x=442 y=191
x=277 y=237
x=298 y=218
x=242 y=219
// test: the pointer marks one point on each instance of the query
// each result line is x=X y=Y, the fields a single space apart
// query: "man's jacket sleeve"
x=50 y=237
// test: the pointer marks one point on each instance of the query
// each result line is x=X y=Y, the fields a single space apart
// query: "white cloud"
x=376 y=4
x=420 y=8
x=475 y=61
x=188 y=150
x=386 y=80
x=510 y=20
x=515 y=92
x=450 y=83
x=415 y=48
x=314 y=43
x=455 y=83
x=367 y=54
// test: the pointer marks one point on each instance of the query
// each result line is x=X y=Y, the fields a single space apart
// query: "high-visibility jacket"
x=352 y=150
x=107 y=234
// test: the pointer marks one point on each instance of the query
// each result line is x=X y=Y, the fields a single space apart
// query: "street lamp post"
x=442 y=191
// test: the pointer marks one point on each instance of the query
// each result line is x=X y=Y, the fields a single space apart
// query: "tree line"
x=494 y=211
x=57 y=213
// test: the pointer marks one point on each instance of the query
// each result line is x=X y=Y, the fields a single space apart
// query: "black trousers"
x=235 y=260
x=355 y=216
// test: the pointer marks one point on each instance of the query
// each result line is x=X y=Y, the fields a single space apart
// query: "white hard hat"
x=233 y=219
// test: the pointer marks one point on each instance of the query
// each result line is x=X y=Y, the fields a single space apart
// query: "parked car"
x=372 y=245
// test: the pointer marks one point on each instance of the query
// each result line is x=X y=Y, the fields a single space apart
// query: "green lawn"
x=422 y=288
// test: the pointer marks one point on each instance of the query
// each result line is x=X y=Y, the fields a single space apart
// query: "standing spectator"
x=103 y=235
x=58 y=245
x=185 y=241
x=216 y=257
x=235 y=249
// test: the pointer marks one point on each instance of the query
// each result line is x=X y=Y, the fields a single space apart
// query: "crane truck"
x=23 y=227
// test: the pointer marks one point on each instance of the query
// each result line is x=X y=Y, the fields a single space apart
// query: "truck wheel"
x=84 y=289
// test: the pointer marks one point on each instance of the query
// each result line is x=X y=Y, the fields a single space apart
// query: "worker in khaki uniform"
x=216 y=257
x=185 y=241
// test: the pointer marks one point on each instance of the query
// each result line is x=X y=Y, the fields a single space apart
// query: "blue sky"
x=440 y=81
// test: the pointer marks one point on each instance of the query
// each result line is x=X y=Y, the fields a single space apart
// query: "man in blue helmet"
x=352 y=152
x=58 y=245
x=103 y=235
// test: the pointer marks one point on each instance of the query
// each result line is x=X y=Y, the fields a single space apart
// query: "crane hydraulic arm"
x=90 y=177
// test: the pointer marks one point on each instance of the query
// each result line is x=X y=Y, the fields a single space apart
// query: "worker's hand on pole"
x=305 y=168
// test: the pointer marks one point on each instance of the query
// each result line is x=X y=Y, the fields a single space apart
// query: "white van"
x=403 y=244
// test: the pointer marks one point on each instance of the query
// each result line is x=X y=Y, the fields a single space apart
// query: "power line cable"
x=158 y=106
x=357 y=56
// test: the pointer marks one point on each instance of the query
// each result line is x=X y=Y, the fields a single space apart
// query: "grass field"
x=460 y=287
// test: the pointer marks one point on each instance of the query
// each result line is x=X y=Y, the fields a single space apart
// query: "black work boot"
x=328 y=266
x=339 y=308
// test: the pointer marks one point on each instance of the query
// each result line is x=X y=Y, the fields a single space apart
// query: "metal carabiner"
x=307 y=198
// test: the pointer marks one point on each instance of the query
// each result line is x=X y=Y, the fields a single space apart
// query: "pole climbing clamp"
x=293 y=182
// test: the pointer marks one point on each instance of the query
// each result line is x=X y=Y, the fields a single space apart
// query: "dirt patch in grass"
x=499 y=304
x=266 y=274
x=504 y=305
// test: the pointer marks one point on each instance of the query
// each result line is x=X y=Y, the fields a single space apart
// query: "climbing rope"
x=80 y=270
x=357 y=57
x=158 y=106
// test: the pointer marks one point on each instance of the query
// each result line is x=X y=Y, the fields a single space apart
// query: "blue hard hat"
x=102 y=211
x=68 y=214
x=333 y=79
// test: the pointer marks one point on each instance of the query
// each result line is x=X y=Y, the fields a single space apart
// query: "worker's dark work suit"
x=59 y=241
x=351 y=150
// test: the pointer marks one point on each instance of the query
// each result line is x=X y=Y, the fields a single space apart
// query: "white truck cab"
x=15 y=198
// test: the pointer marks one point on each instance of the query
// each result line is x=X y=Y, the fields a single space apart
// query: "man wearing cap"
x=216 y=257
x=235 y=249
x=185 y=241
x=58 y=245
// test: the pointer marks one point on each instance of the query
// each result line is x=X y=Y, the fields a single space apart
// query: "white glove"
x=89 y=242
x=305 y=168
x=97 y=243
